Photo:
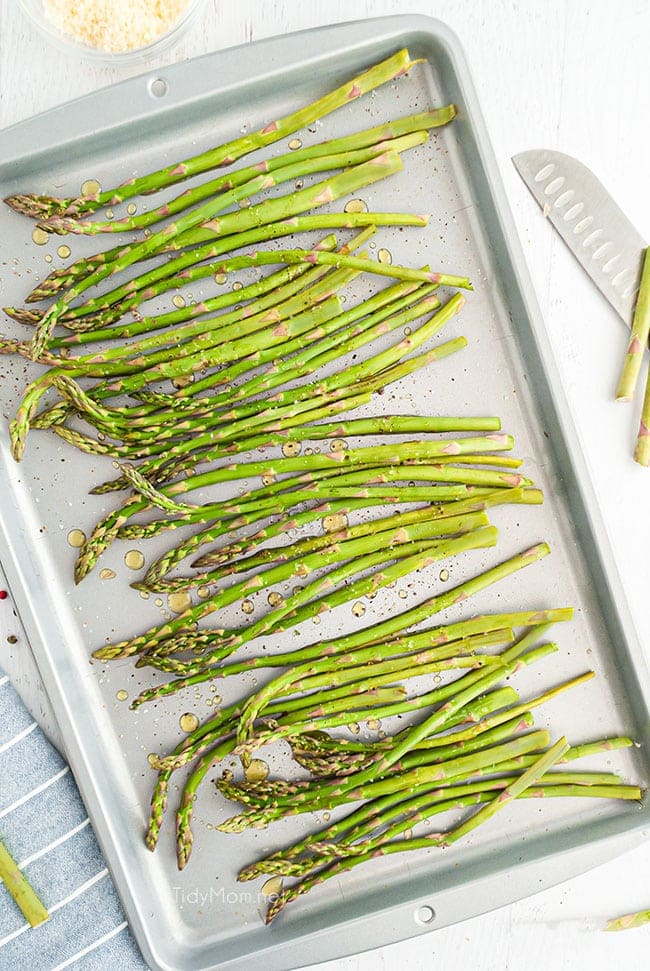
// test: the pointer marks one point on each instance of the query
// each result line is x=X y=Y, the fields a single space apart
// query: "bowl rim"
x=69 y=44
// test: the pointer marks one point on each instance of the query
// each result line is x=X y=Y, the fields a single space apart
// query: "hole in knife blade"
x=621 y=277
x=555 y=185
x=545 y=172
x=592 y=238
x=564 y=198
x=574 y=211
x=582 y=225
x=600 y=252
x=609 y=266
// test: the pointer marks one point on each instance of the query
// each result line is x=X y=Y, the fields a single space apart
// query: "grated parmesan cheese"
x=114 y=25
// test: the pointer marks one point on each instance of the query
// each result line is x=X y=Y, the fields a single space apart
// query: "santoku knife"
x=597 y=232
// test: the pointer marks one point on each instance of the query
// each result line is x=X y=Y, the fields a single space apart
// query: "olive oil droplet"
x=178 y=602
x=247 y=606
x=64 y=251
x=122 y=695
x=384 y=256
x=106 y=574
x=358 y=609
x=39 y=236
x=131 y=208
x=220 y=277
x=134 y=559
x=332 y=524
x=256 y=771
x=76 y=538
x=188 y=722
x=444 y=575
x=356 y=205
x=291 y=448
x=272 y=887
x=295 y=144
x=178 y=300
x=90 y=187
x=183 y=380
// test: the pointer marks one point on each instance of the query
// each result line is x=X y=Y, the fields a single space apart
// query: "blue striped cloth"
x=44 y=826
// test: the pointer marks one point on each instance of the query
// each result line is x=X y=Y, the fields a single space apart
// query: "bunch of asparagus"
x=277 y=363
x=631 y=369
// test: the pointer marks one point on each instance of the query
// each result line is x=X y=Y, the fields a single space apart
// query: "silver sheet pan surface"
x=202 y=918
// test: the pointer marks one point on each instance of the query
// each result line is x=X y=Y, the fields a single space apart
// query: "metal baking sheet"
x=202 y=918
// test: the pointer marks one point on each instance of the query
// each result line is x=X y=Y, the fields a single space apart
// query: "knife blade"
x=595 y=229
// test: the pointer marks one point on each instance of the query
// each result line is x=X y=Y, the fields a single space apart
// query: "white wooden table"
x=565 y=74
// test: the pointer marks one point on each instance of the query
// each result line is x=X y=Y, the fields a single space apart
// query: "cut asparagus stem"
x=638 y=337
x=19 y=888
x=629 y=921
x=642 y=450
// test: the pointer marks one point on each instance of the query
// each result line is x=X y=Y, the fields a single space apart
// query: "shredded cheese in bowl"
x=114 y=26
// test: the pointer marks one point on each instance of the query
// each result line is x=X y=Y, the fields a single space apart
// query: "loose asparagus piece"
x=642 y=450
x=638 y=338
x=20 y=889
x=226 y=154
x=625 y=923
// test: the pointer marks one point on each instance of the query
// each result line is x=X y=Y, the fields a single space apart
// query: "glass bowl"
x=35 y=12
